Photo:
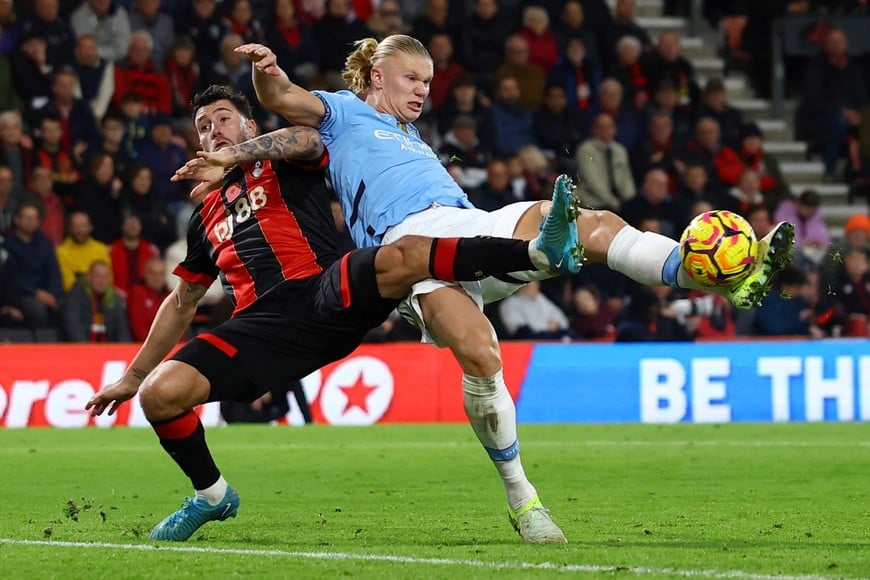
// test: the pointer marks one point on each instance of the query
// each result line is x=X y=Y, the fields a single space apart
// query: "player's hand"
x=207 y=169
x=111 y=396
x=263 y=58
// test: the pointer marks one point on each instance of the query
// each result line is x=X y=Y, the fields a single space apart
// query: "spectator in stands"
x=111 y=142
x=136 y=124
x=628 y=121
x=388 y=20
x=784 y=311
x=483 y=41
x=9 y=97
x=337 y=30
x=856 y=236
x=163 y=155
x=145 y=298
x=77 y=123
x=513 y=124
x=572 y=24
x=592 y=317
x=146 y=16
x=758 y=217
x=535 y=29
x=293 y=43
x=31 y=72
x=751 y=153
x=694 y=187
x=137 y=73
x=15 y=148
x=138 y=197
x=746 y=194
x=834 y=91
x=625 y=24
x=96 y=76
x=200 y=21
x=578 y=75
x=232 y=68
x=530 y=77
x=530 y=315
x=446 y=70
x=182 y=71
x=606 y=181
x=465 y=98
x=666 y=63
x=497 y=191
x=129 y=254
x=629 y=72
x=657 y=150
x=33 y=257
x=240 y=20
x=666 y=100
x=537 y=173
x=714 y=104
x=811 y=235
x=710 y=315
x=93 y=311
x=109 y=22
x=11 y=298
x=721 y=162
x=51 y=209
x=559 y=128
x=79 y=250
x=653 y=200
x=649 y=318
x=851 y=295
x=99 y=196
x=9 y=29
x=45 y=22
x=462 y=154
x=48 y=153
x=10 y=198
x=433 y=20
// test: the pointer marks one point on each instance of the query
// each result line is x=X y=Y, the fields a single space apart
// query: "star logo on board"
x=358 y=391
x=357 y=395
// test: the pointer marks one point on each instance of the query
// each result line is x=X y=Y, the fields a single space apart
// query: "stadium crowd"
x=95 y=99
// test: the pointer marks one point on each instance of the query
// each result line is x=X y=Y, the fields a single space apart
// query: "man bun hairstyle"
x=368 y=52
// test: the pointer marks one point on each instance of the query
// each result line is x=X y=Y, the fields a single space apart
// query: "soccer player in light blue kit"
x=391 y=184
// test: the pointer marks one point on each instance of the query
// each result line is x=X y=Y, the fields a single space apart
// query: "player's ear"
x=250 y=129
x=377 y=77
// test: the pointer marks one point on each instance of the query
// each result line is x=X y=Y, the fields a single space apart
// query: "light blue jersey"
x=380 y=173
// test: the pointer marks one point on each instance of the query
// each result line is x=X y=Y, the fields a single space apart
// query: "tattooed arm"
x=173 y=318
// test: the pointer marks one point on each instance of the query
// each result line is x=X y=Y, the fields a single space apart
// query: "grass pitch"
x=731 y=501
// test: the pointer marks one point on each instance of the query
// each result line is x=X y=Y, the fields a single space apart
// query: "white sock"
x=215 y=492
x=539 y=258
x=651 y=259
x=493 y=418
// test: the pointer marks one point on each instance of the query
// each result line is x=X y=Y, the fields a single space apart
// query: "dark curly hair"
x=220 y=92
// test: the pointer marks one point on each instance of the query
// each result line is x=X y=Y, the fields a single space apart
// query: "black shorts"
x=290 y=332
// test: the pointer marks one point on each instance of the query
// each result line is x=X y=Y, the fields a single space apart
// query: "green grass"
x=744 y=501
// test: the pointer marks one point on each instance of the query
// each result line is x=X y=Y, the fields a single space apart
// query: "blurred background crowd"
x=655 y=121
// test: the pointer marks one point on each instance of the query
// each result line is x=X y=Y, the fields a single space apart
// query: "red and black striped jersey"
x=270 y=223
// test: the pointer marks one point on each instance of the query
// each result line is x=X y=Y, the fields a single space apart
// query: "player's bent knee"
x=172 y=388
x=597 y=230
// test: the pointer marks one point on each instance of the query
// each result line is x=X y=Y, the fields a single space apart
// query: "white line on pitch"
x=570 y=568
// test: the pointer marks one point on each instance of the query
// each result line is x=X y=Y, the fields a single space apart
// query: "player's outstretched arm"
x=277 y=92
x=295 y=143
x=173 y=318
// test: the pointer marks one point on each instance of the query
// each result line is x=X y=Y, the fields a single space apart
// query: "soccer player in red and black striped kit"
x=268 y=232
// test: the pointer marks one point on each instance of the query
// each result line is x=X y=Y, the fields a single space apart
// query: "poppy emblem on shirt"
x=233 y=191
x=258 y=169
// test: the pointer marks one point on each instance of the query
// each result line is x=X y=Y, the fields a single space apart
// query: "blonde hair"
x=368 y=52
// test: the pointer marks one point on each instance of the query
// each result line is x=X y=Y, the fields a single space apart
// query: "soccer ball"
x=718 y=248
